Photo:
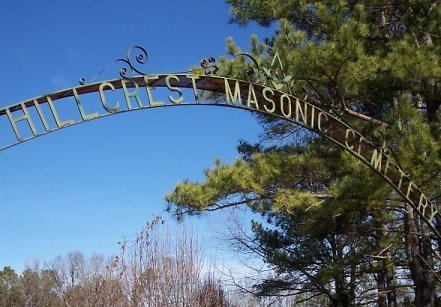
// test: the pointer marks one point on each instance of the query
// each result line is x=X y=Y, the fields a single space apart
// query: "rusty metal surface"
x=252 y=97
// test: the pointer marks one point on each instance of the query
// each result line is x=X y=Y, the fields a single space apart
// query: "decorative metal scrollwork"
x=251 y=72
x=273 y=75
x=130 y=63
x=140 y=58
x=209 y=66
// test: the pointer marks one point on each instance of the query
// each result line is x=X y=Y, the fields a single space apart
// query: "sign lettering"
x=140 y=93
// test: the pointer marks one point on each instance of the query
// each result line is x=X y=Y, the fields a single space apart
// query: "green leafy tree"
x=9 y=287
x=335 y=228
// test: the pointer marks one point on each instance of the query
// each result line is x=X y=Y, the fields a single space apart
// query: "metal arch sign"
x=28 y=119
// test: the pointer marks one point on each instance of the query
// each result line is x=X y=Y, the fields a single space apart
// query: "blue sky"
x=88 y=186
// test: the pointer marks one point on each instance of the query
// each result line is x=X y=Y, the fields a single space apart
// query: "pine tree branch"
x=364 y=117
x=217 y=206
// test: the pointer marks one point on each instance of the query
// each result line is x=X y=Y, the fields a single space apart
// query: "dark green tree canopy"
x=356 y=55
x=335 y=232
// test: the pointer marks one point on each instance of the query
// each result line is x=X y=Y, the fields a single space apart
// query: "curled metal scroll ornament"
x=272 y=75
x=253 y=73
x=209 y=66
x=82 y=81
x=140 y=58
x=135 y=56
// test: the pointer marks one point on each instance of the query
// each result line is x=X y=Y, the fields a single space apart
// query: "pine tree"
x=334 y=225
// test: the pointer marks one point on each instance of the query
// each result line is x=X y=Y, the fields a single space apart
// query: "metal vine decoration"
x=130 y=64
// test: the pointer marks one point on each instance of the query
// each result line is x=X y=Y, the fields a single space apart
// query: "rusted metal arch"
x=252 y=97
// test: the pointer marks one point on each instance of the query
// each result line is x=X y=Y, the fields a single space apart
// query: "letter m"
x=233 y=98
x=376 y=160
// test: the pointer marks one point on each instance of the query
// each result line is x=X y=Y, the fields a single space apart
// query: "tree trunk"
x=381 y=282
x=419 y=254
x=389 y=278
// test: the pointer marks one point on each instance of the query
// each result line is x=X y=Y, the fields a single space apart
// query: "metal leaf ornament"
x=209 y=66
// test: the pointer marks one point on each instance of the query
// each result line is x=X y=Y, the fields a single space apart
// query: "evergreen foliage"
x=335 y=229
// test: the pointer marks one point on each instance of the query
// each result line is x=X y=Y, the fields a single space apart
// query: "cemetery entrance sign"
x=39 y=116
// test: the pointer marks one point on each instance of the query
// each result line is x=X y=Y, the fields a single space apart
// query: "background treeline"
x=160 y=267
